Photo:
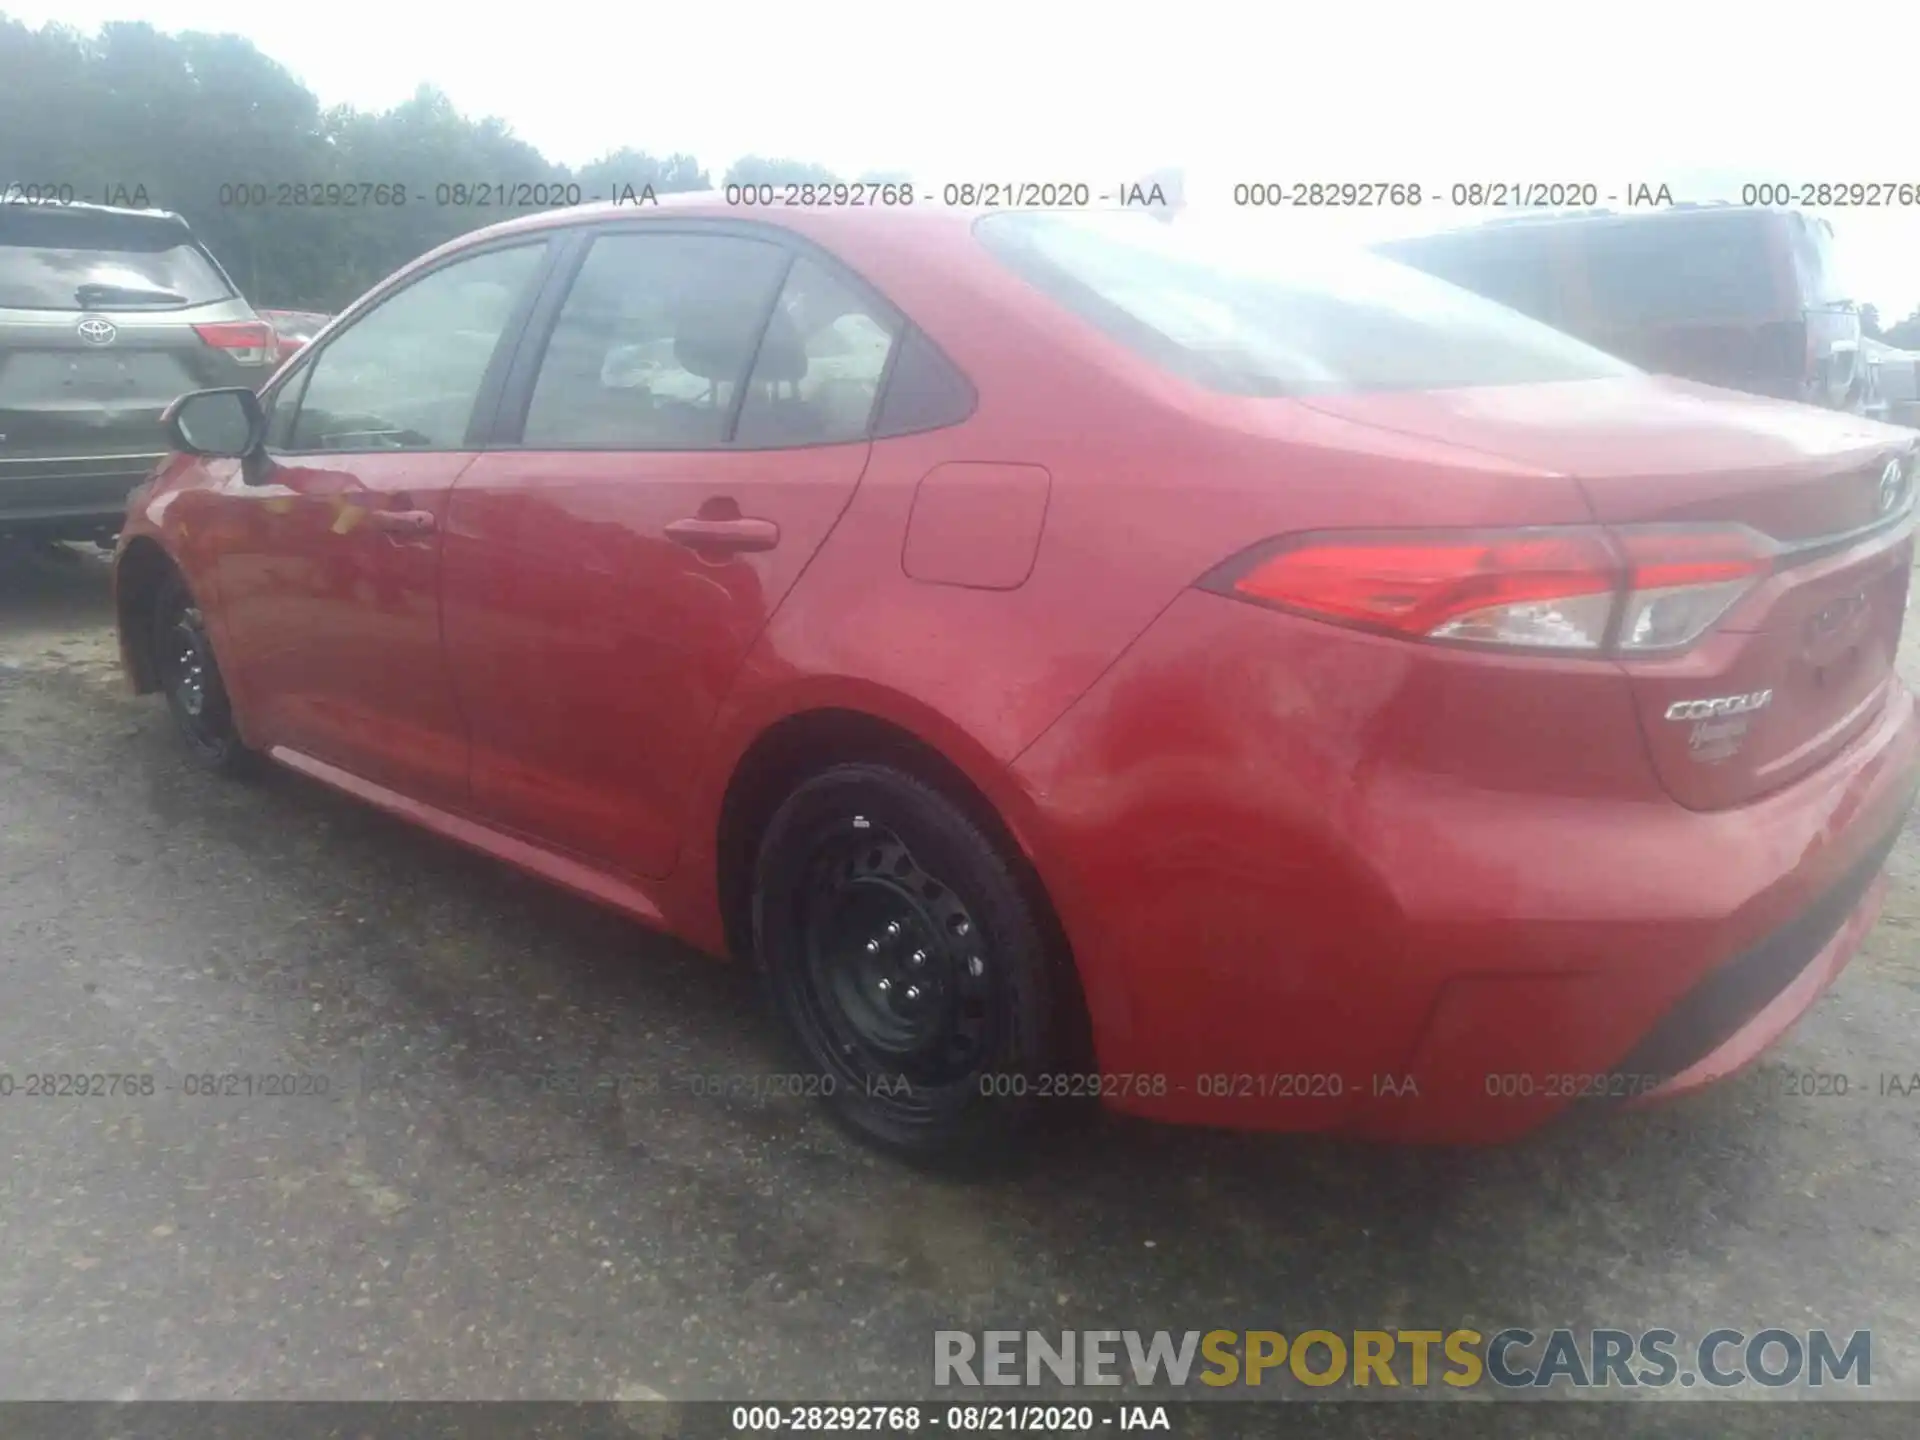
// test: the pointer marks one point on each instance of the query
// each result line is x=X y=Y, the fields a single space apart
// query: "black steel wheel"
x=188 y=675
x=903 y=959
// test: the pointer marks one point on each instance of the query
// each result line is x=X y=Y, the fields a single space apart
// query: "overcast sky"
x=1702 y=96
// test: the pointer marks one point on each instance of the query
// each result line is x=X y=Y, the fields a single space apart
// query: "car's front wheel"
x=904 y=959
x=190 y=678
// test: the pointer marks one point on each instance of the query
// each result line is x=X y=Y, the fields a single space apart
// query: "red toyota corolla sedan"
x=1074 y=656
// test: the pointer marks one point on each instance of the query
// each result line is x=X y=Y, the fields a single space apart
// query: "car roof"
x=819 y=221
x=882 y=235
x=81 y=207
x=84 y=227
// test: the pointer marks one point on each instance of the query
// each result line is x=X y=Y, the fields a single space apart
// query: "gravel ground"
x=444 y=1224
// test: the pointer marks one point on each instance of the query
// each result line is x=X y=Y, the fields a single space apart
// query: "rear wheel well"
x=803 y=745
x=141 y=570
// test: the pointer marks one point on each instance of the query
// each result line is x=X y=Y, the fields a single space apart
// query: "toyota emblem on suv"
x=96 y=331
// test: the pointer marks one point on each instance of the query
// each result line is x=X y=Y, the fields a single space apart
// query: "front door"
x=329 y=562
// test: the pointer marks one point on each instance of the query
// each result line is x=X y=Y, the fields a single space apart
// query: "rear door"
x=686 y=425
x=106 y=318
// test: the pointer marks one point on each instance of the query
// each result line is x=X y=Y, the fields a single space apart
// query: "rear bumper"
x=1749 y=1001
x=1775 y=1016
x=1289 y=915
x=1491 y=1070
x=87 y=491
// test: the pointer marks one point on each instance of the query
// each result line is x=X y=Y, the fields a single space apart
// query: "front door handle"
x=403 y=522
x=725 y=537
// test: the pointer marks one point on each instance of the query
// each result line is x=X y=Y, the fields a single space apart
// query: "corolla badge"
x=1719 y=706
x=96 y=331
x=1893 y=487
x=1719 y=724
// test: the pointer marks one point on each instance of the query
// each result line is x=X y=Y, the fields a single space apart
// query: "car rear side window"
x=1676 y=269
x=818 y=369
x=65 y=260
x=653 y=342
x=926 y=391
x=1240 y=308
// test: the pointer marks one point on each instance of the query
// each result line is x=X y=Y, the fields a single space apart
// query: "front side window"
x=1244 y=309
x=407 y=374
x=653 y=343
x=818 y=369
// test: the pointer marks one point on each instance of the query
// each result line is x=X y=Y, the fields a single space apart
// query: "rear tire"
x=904 y=962
x=184 y=664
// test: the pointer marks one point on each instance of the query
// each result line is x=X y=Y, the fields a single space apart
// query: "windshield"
x=1231 y=307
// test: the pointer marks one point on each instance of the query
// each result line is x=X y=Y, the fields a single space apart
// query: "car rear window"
x=1246 y=310
x=1671 y=270
x=61 y=260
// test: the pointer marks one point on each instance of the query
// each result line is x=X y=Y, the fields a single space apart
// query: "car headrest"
x=711 y=341
x=783 y=354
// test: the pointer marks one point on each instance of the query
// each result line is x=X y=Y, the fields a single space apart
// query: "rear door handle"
x=403 y=522
x=725 y=537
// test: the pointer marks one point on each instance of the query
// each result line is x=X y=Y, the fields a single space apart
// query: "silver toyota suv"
x=106 y=316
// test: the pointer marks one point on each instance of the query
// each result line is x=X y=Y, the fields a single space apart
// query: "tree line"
x=298 y=201
x=209 y=126
x=1905 y=335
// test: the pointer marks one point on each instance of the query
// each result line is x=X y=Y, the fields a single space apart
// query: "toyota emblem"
x=1892 y=487
x=96 y=331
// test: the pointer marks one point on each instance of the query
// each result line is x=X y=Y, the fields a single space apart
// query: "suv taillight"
x=1630 y=590
x=247 y=342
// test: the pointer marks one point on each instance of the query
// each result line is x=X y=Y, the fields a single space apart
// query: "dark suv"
x=106 y=316
x=1742 y=297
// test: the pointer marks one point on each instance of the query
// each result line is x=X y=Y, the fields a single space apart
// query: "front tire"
x=190 y=678
x=903 y=959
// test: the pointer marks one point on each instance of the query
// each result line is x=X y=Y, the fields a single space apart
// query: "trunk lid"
x=1803 y=662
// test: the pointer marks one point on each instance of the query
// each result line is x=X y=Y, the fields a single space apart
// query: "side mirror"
x=226 y=424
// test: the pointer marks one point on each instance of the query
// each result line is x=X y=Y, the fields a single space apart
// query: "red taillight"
x=1414 y=585
x=247 y=342
x=1691 y=555
x=1578 y=588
